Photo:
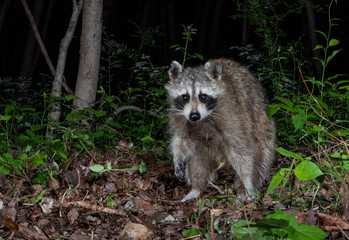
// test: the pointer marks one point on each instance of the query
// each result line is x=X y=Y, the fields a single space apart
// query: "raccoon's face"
x=194 y=92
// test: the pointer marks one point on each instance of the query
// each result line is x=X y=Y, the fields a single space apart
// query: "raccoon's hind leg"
x=199 y=172
x=243 y=166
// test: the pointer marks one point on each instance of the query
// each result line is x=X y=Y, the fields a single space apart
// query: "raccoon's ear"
x=175 y=70
x=214 y=70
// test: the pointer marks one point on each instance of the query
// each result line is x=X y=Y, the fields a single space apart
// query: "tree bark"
x=313 y=37
x=90 y=50
x=57 y=83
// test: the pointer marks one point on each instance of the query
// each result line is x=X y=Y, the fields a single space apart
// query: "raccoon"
x=218 y=116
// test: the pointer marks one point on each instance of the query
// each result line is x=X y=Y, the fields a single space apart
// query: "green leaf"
x=9 y=109
x=4 y=169
x=276 y=180
x=340 y=156
x=307 y=170
x=98 y=113
x=334 y=53
x=7 y=157
x=147 y=139
x=70 y=97
x=298 y=123
x=201 y=205
x=272 y=109
x=282 y=215
x=333 y=42
x=142 y=168
x=199 y=56
x=285 y=101
x=307 y=232
x=191 y=232
x=318 y=47
x=5 y=118
x=39 y=178
x=322 y=33
x=242 y=232
x=40 y=195
x=287 y=153
x=97 y=168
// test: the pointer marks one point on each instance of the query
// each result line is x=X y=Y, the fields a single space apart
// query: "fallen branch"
x=40 y=42
x=134 y=108
x=94 y=208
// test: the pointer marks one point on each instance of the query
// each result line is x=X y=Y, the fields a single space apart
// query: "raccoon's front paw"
x=180 y=170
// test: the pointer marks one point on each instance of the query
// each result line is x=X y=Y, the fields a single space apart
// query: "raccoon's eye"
x=185 y=98
x=203 y=98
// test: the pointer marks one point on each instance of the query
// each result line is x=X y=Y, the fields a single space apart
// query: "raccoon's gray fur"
x=218 y=115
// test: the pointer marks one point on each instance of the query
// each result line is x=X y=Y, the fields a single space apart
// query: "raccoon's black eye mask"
x=203 y=98
x=181 y=101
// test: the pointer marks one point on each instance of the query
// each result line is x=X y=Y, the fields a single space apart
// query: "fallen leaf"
x=344 y=192
x=10 y=224
x=72 y=215
x=333 y=223
x=46 y=205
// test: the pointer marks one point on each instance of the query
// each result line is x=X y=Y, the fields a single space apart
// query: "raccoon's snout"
x=194 y=116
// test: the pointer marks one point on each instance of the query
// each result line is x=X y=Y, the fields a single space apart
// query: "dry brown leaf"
x=333 y=223
x=54 y=184
x=72 y=215
x=344 y=192
x=10 y=224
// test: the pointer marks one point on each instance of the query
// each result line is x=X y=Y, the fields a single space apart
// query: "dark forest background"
x=217 y=31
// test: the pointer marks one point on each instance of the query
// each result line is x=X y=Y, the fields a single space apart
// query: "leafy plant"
x=187 y=34
x=278 y=225
x=305 y=170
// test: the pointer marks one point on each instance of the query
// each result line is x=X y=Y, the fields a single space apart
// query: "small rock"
x=136 y=230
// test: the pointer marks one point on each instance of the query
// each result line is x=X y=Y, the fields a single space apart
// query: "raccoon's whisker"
x=173 y=109
x=211 y=106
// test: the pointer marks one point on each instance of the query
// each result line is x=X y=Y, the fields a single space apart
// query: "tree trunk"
x=90 y=50
x=313 y=38
x=55 y=111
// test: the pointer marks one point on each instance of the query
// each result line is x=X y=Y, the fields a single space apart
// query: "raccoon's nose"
x=194 y=116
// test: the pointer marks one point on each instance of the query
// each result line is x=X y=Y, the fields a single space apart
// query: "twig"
x=134 y=108
x=345 y=144
x=95 y=207
x=212 y=227
x=342 y=231
x=191 y=237
x=38 y=38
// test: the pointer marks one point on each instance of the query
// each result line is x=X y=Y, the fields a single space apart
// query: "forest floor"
x=134 y=205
